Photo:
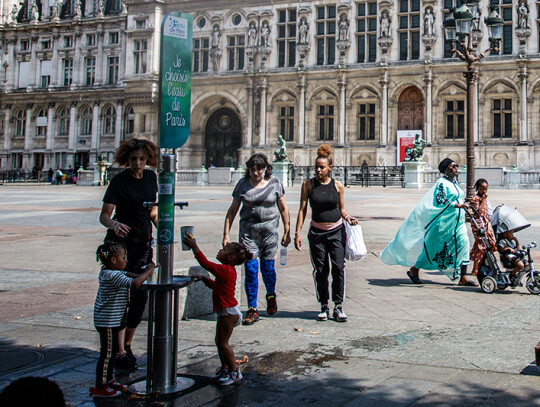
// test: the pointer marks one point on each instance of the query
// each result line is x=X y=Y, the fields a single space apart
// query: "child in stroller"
x=517 y=264
x=511 y=256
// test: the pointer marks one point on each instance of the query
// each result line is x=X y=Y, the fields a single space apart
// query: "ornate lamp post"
x=459 y=25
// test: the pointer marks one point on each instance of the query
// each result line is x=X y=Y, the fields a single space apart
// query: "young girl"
x=225 y=305
x=483 y=207
x=109 y=312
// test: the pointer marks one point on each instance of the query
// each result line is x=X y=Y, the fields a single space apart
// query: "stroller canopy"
x=505 y=219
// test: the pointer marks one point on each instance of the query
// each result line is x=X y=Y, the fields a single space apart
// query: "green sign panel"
x=175 y=79
x=165 y=225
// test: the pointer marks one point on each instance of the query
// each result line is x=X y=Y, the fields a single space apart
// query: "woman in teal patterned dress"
x=434 y=235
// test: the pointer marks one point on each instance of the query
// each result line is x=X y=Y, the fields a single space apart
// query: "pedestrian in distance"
x=434 y=235
x=132 y=225
x=224 y=302
x=326 y=234
x=261 y=198
x=110 y=311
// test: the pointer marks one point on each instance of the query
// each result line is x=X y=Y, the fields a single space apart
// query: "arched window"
x=63 y=122
x=86 y=121
x=41 y=123
x=109 y=120
x=130 y=121
x=20 y=123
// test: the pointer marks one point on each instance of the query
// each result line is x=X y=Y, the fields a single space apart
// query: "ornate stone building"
x=79 y=76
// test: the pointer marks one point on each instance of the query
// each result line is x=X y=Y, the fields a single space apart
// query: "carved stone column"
x=50 y=136
x=263 y=87
x=428 y=81
x=27 y=132
x=94 y=141
x=301 y=109
x=118 y=127
x=250 y=113
x=383 y=81
x=8 y=129
x=72 y=127
x=523 y=128
x=342 y=85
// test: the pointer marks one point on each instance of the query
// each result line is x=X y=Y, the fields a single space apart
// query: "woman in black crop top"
x=326 y=235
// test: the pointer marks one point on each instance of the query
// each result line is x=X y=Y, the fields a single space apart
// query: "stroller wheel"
x=533 y=285
x=489 y=285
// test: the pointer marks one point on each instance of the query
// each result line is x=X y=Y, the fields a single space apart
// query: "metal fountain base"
x=182 y=383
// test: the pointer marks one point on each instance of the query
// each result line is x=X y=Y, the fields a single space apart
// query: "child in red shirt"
x=225 y=305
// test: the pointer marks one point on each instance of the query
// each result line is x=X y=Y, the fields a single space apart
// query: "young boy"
x=511 y=256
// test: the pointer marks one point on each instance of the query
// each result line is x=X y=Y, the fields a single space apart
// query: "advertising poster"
x=175 y=79
x=405 y=139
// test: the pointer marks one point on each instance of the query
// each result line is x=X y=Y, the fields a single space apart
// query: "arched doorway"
x=223 y=138
x=411 y=109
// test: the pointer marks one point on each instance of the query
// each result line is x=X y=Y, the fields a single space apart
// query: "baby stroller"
x=490 y=276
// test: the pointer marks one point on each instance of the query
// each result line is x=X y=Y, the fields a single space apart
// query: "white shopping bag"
x=355 y=249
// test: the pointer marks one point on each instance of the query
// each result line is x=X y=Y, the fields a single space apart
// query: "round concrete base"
x=182 y=383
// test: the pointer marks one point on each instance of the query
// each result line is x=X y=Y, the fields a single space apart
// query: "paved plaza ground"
x=435 y=344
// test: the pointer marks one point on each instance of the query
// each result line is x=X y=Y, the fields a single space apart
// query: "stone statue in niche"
x=523 y=16
x=34 y=13
x=265 y=35
x=343 y=28
x=78 y=8
x=56 y=8
x=303 y=29
x=429 y=20
x=252 y=35
x=384 y=25
x=216 y=37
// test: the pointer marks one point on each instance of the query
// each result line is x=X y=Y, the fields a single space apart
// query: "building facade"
x=79 y=76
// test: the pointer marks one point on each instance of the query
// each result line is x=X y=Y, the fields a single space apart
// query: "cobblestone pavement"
x=435 y=344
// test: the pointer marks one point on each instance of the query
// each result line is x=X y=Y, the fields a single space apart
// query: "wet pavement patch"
x=13 y=360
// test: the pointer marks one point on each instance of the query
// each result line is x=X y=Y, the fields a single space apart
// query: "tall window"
x=449 y=5
x=501 y=115
x=86 y=121
x=90 y=40
x=506 y=11
x=20 y=123
x=409 y=29
x=46 y=69
x=112 y=70
x=366 y=121
x=325 y=35
x=130 y=121
x=109 y=120
x=286 y=37
x=325 y=117
x=236 y=51
x=455 y=119
x=366 y=31
x=90 y=66
x=68 y=41
x=201 y=48
x=139 y=56
x=41 y=123
x=68 y=71
x=286 y=122
x=113 y=38
x=63 y=122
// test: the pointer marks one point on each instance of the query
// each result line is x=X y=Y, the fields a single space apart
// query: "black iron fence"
x=23 y=176
x=363 y=175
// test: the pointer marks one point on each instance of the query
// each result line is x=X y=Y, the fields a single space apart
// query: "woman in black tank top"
x=326 y=234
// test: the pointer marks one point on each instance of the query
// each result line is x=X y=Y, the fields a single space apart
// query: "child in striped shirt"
x=109 y=312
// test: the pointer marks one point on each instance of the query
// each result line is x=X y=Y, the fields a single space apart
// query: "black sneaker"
x=130 y=354
x=252 y=316
x=271 y=304
x=125 y=363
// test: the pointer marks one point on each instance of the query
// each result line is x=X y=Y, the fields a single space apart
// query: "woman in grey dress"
x=261 y=197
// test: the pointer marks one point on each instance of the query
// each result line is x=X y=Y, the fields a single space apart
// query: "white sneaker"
x=220 y=371
x=231 y=377
x=339 y=314
x=324 y=314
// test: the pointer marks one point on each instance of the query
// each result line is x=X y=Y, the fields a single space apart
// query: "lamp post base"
x=182 y=383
